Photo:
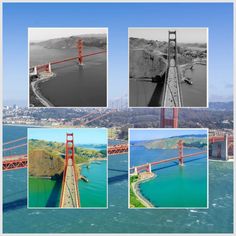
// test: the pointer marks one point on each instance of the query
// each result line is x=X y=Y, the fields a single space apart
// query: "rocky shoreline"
x=136 y=189
x=36 y=90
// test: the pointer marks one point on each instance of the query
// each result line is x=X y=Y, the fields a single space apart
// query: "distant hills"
x=148 y=57
x=221 y=106
x=193 y=141
x=160 y=47
x=92 y=40
x=57 y=148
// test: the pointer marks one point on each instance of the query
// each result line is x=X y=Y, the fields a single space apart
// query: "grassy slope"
x=134 y=201
x=171 y=143
x=56 y=148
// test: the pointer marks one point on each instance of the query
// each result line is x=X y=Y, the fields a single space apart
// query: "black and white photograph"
x=168 y=67
x=67 y=67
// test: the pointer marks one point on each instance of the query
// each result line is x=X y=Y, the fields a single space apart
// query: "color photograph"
x=67 y=67
x=67 y=168
x=168 y=168
x=168 y=67
x=40 y=215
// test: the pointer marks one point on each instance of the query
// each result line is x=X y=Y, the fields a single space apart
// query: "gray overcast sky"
x=41 y=34
x=191 y=35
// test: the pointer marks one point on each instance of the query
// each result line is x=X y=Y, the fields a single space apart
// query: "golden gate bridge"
x=37 y=69
x=148 y=166
x=220 y=145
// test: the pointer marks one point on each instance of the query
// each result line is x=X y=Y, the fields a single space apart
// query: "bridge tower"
x=80 y=47
x=181 y=154
x=70 y=147
x=165 y=122
x=172 y=47
x=70 y=162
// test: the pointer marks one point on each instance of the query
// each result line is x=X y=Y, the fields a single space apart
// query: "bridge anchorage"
x=45 y=70
x=221 y=147
x=136 y=170
x=70 y=193
x=172 y=95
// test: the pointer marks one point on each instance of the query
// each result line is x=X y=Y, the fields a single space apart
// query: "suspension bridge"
x=70 y=193
x=172 y=95
x=47 y=67
x=220 y=147
x=135 y=170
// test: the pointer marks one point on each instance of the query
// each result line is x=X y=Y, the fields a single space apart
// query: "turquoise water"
x=178 y=186
x=94 y=192
x=117 y=218
x=174 y=185
x=44 y=192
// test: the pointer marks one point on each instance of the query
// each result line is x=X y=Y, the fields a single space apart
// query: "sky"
x=40 y=34
x=17 y=17
x=81 y=135
x=149 y=134
x=188 y=35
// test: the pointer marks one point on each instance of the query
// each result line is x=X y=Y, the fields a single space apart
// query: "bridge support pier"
x=219 y=149
x=35 y=70
x=49 y=68
x=149 y=168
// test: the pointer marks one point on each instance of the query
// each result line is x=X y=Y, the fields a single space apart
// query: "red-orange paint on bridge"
x=79 y=58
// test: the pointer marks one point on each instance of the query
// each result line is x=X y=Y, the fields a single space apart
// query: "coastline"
x=26 y=125
x=91 y=160
x=214 y=160
x=38 y=94
x=79 y=165
x=136 y=190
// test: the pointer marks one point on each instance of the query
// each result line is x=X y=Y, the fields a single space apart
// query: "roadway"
x=70 y=195
x=172 y=91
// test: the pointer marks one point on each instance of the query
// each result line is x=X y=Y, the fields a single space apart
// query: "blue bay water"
x=94 y=192
x=117 y=218
x=86 y=86
x=45 y=192
x=174 y=185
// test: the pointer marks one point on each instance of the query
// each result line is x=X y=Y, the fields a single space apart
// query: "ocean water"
x=73 y=86
x=195 y=95
x=174 y=186
x=117 y=218
x=94 y=192
x=145 y=93
x=44 y=192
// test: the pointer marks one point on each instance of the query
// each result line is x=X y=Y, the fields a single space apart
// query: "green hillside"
x=171 y=143
x=58 y=149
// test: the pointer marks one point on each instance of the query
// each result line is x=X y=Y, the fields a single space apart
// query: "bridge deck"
x=172 y=97
x=168 y=160
x=70 y=190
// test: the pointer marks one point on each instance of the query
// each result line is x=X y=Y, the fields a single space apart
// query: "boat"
x=188 y=81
